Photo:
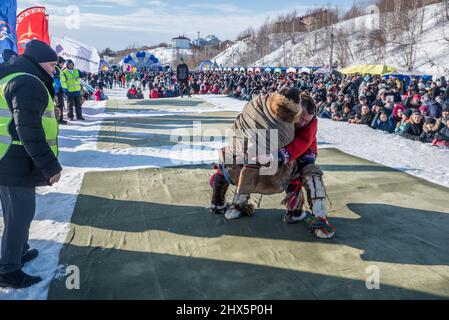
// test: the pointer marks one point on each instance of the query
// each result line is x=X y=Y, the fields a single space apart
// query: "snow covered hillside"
x=353 y=46
x=169 y=56
x=232 y=54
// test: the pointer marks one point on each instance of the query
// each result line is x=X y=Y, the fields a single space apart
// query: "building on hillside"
x=210 y=40
x=180 y=42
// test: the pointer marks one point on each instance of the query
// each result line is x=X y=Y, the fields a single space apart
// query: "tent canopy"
x=379 y=69
x=206 y=65
x=406 y=73
x=142 y=59
x=104 y=65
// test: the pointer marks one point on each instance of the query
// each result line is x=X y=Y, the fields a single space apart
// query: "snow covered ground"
x=415 y=158
x=79 y=154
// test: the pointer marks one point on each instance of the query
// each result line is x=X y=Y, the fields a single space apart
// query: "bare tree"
x=408 y=31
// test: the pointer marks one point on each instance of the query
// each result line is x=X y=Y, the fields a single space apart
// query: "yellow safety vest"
x=49 y=122
x=62 y=78
x=72 y=80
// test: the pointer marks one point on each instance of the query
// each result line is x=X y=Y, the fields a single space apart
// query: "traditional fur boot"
x=220 y=187
x=318 y=223
x=294 y=202
x=239 y=207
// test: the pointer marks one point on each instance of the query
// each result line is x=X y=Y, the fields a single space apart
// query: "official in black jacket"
x=31 y=159
x=182 y=74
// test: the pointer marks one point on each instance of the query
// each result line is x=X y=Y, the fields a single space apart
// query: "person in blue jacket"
x=383 y=122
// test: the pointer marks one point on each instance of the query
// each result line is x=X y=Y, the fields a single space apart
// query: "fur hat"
x=285 y=104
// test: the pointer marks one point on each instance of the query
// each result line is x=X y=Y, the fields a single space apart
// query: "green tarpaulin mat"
x=147 y=234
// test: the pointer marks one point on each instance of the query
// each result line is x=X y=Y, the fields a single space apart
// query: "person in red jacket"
x=215 y=89
x=154 y=94
x=304 y=150
x=131 y=94
x=97 y=94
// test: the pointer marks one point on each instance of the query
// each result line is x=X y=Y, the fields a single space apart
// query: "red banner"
x=32 y=23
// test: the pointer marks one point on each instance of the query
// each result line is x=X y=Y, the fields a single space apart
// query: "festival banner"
x=32 y=23
x=85 y=57
x=8 y=39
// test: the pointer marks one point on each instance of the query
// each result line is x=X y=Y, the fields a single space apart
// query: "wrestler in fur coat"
x=275 y=111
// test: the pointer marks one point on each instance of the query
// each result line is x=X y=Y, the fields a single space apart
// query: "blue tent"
x=142 y=59
x=104 y=66
x=206 y=65
x=408 y=75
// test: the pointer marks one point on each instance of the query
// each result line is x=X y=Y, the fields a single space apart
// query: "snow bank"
x=415 y=158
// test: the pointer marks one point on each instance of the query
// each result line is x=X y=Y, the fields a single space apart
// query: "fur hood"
x=283 y=108
x=435 y=127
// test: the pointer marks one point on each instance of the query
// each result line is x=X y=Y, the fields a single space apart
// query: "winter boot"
x=320 y=226
x=239 y=207
x=29 y=256
x=220 y=187
x=294 y=202
x=18 y=280
x=316 y=195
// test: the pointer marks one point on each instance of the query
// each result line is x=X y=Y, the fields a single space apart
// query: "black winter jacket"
x=443 y=134
x=412 y=131
x=32 y=164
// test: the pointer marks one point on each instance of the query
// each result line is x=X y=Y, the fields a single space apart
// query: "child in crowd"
x=383 y=122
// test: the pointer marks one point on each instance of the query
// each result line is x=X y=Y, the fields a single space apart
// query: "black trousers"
x=59 y=103
x=19 y=205
x=74 y=102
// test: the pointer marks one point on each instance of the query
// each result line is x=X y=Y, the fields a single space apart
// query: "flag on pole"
x=85 y=57
x=8 y=38
x=32 y=23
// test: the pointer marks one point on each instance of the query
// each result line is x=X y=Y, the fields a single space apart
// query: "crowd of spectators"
x=414 y=108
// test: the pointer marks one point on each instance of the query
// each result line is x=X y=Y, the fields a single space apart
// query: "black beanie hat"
x=40 y=51
x=446 y=108
x=8 y=54
x=408 y=113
